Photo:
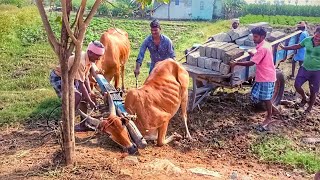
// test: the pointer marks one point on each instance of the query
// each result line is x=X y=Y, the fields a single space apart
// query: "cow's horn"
x=90 y=121
x=112 y=108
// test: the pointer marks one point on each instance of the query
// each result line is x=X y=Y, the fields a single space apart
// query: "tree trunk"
x=67 y=95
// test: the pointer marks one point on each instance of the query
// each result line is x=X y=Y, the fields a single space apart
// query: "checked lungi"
x=262 y=91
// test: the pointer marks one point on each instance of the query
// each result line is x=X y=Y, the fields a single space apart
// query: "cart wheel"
x=278 y=92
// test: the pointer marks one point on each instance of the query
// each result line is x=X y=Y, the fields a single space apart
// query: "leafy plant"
x=275 y=9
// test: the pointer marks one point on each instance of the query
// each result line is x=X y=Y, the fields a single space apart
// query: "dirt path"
x=223 y=132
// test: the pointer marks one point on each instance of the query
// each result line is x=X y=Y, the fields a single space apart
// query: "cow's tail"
x=182 y=77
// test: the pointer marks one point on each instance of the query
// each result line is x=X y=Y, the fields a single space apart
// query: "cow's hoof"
x=133 y=149
x=189 y=137
x=143 y=144
x=177 y=136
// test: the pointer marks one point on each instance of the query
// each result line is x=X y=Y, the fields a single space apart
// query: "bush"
x=288 y=10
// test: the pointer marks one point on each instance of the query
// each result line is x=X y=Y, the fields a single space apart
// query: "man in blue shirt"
x=159 y=45
x=299 y=56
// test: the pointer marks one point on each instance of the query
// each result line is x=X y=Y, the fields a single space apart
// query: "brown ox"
x=158 y=100
x=117 y=52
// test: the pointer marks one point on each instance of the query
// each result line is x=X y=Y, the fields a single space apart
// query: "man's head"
x=155 y=28
x=302 y=25
x=259 y=34
x=235 y=23
x=95 y=50
x=316 y=36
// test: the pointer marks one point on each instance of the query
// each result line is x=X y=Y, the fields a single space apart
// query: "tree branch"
x=92 y=12
x=75 y=23
x=81 y=12
x=51 y=37
x=66 y=21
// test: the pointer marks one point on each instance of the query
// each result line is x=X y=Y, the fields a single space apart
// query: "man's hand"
x=100 y=71
x=232 y=64
x=251 y=53
x=281 y=46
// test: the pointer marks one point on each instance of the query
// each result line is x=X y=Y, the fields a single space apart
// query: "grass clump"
x=282 y=150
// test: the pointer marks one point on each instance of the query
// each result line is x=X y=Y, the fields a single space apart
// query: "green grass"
x=282 y=150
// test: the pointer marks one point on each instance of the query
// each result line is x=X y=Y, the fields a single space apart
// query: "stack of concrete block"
x=275 y=35
x=238 y=33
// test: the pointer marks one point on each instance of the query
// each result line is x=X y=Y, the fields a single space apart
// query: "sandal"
x=261 y=128
x=291 y=77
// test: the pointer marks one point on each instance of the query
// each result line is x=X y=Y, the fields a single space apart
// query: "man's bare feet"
x=308 y=110
x=268 y=121
x=275 y=111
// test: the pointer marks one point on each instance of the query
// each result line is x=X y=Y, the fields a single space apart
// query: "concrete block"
x=213 y=51
x=192 y=58
x=240 y=41
x=216 y=64
x=229 y=48
x=221 y=49
x=202 y=50
x=208 y=48
x=269 y=28
x=208 y=63
x=224 y=68
x=238 y=33
x=259 y=24
x=222 y=37
x=212 y=46
x=201 y=61
x=232 y=55
x=249 y=43
x=275 y=36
